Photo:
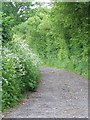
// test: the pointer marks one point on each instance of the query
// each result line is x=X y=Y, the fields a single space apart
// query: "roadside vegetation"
x=60 y=35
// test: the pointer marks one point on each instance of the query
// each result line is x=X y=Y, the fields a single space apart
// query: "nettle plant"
x=20 y=72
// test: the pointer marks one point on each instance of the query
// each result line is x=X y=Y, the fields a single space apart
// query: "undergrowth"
x=72 y=65
x=20 y=72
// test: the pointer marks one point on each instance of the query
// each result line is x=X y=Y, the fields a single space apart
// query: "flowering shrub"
x=20 y=72
x=10 y=81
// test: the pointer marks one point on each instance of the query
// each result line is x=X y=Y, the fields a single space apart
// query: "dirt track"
x=60 y=94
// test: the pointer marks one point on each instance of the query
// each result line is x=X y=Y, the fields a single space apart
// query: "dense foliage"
x=20 y=64
x=60 y=35
x=14 y=14
x=20 y=72
x=72 y=27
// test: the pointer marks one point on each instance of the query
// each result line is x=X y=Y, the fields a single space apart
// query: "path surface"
x=60 y=94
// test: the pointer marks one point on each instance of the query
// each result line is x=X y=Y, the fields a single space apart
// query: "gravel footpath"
x=60 y=94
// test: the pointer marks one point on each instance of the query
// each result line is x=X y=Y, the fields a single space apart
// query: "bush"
x=20 y=72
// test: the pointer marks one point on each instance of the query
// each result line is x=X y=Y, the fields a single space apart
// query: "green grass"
x=69 y=65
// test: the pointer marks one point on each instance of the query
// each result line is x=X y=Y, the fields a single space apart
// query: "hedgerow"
x=20 y=72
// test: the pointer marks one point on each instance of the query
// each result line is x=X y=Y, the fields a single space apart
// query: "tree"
x=13 y=14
